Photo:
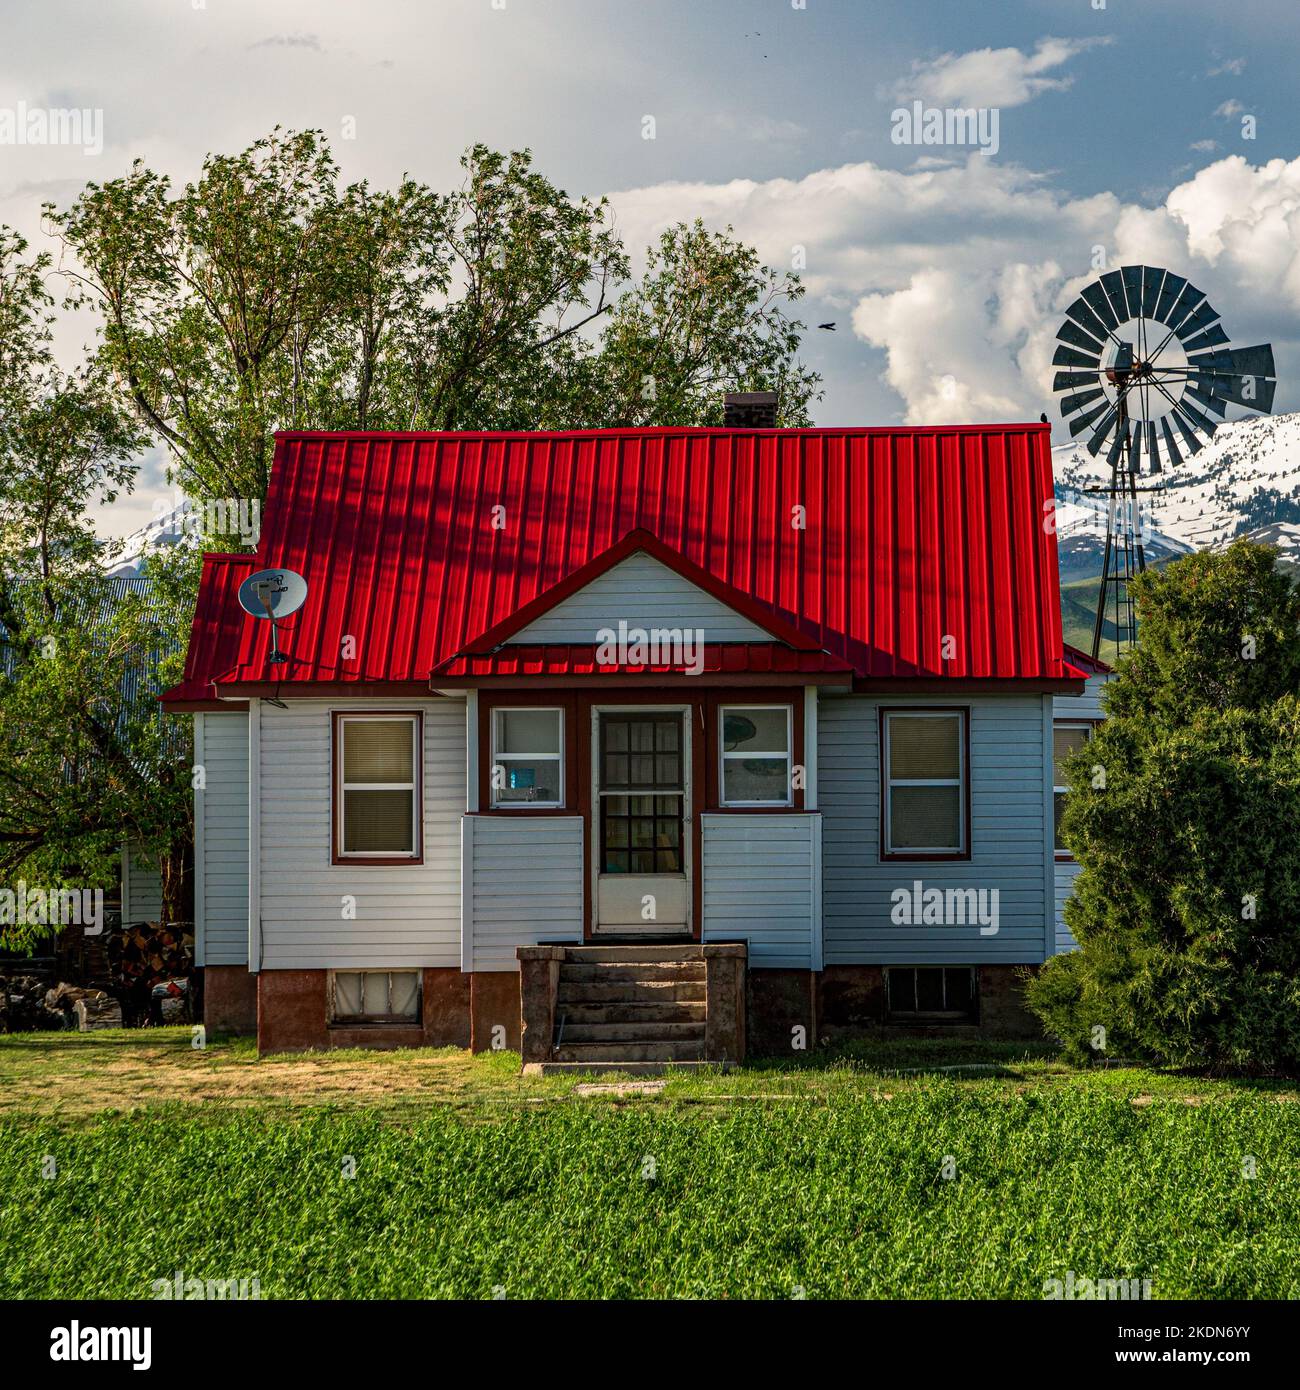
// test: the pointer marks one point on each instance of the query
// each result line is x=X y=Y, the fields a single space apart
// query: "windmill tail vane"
x=1147 y=371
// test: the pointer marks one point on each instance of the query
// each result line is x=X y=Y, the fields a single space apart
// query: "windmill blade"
x=1171 y=448
x=1081 y=422
x=1253 y=392
x=1208 y=399
x=1170 y=289
x=1096 y=299
x=1071 y=357
x=1074 y=335
x=1197 y=418
x=1103 y=430
x=1117 y=446
x=1076 y=402
x=1152 y=275
x=1197 y=321
x=1132 y=278
x=1135 y=448
x=1187 y=302
x=1190 y=437
x=1153 y=452
x=1113 y=284
x=1066 y=381
x=1087 y=320
x=1247 y=361
x=1214 y=336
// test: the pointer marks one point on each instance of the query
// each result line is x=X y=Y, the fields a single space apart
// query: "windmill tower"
x=1146 y=363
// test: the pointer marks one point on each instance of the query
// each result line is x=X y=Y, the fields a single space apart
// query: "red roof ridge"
x=671 y=431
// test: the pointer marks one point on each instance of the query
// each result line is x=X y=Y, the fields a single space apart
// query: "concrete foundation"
x=496 y=1020
x=293 y=1015
x=229 y=999
x=762 y=1013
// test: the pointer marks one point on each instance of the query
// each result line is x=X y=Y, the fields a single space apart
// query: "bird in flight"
x=830 y=327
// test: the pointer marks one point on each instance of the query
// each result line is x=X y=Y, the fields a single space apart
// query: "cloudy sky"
x=1163 y=131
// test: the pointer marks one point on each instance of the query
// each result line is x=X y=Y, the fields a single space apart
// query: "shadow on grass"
x=974 y=1059
x=951 y=1056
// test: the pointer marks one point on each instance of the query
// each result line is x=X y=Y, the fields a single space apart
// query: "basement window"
x=375 y=996
x=930 y=993
x=377 y=805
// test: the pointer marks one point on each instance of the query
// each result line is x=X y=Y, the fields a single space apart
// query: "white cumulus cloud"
x=958 y=276
x=994 y=76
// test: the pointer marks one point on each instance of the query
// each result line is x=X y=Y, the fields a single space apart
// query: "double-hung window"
x=1067 y=738
x=925 y=783
x=756 y=752
x=528 y=758
x=377 y=801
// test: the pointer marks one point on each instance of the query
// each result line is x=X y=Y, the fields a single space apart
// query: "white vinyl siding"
x=523 y=886
x=407 y=915
x=762 y=885
x=1008 y=775
x=1067 y=707
x=221 y=839
x=643 y=593
x=141 y=889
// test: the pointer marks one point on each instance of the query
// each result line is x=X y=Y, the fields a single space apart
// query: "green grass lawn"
x=869 y=1173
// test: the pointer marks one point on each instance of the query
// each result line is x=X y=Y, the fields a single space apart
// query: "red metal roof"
x=767 y=659
x=873 y=545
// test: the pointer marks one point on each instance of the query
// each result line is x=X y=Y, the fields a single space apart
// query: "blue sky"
x=1120 y=127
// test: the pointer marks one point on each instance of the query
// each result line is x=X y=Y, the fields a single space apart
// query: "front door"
x=641 y=763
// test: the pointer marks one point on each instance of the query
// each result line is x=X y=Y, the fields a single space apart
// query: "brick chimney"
x=749 y=410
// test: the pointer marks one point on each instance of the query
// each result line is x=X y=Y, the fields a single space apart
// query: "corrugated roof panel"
x=876 y=544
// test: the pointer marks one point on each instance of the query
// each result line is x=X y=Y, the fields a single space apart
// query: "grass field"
x=867 y=1174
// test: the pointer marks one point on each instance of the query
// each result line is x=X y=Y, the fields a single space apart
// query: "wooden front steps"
x=609 y=1008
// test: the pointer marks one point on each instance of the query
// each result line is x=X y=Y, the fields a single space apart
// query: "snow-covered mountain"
x=1244 y=482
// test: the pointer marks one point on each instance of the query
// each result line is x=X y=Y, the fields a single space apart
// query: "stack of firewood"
x=84 y=1009
x=22 y=1005
x=28 y=1005
x=141 y=956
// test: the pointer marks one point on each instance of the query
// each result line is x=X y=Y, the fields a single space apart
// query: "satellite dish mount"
x=271 y=595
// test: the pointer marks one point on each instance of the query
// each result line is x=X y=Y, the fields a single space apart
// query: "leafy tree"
x=1184 y=812
x=85 y=758
x=265 y=296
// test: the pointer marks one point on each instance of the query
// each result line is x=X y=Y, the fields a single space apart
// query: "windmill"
x=1147 y=368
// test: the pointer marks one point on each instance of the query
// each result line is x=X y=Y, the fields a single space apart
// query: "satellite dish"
x=273 y=594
